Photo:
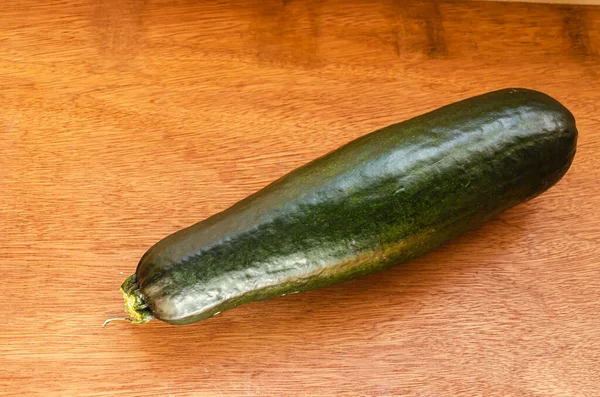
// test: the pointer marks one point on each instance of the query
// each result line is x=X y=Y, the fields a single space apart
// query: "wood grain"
x=582 y=2
x=123 y=121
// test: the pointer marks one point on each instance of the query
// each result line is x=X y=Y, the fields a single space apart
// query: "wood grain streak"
x=123 y=121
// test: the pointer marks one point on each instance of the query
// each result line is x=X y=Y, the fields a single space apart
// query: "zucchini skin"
x=380 y=200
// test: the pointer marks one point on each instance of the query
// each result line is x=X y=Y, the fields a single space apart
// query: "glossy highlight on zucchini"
x=380 y=200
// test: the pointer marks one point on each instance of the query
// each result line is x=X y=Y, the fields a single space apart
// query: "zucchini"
x=378 y=201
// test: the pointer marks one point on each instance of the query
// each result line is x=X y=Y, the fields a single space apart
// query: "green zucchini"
x=378 y=201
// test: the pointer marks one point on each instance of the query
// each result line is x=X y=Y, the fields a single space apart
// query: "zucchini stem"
x=116 y=319
x=134 y=303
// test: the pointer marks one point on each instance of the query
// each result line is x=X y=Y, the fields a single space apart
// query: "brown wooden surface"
x=123 y=121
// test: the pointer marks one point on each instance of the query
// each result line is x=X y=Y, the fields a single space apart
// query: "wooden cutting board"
x=122 y=121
